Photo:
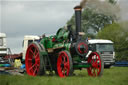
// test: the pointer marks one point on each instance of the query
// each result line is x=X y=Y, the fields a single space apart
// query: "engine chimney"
x=78 y=21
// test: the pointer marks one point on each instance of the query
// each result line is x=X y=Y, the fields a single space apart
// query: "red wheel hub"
x=95 y=61
x=32 y=60
x=63 y=65
x=82 y=48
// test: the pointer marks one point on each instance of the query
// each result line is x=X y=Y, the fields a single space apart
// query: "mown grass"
x=112 y=76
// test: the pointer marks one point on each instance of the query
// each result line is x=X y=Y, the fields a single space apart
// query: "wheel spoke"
x=97 y=71
x=93 y=60
x=61 y=68
x=67 y=70
x=32 y=67
x=36 y=54
x=97 y=58
x=37 y=65
x=94 y=73
x=29 y=59
x=35 y=70
x=90 y=71
x=31 y=51
x=37 y=60
x=34 y=51
x=64 y=58
x=96 y=65
x=66 y=64
x=63 y=72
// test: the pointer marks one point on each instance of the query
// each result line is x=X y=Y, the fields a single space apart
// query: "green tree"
x=119 y=36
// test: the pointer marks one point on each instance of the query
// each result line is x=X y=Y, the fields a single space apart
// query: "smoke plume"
x=104 y=7
x=101 y=6
x=82 y=3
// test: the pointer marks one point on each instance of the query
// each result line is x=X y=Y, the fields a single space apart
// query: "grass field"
x=112 y=76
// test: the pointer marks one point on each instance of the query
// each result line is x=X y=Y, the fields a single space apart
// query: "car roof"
x=93 y=41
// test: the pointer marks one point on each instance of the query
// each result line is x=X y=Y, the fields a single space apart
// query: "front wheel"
x=34 y=60
x=97 y=65
x=64 y=64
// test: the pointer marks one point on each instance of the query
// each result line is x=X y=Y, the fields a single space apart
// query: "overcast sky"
x=35 y=17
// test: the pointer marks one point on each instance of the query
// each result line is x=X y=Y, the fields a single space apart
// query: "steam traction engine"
x=63 y=53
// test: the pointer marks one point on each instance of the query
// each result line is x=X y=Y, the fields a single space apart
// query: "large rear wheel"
x=64 y=64
x=97 y=65
x=34 y=60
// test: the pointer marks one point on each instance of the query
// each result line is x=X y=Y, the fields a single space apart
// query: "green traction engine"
x=63 y=53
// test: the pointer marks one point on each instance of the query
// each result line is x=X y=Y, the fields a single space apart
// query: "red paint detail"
x=53 y=39
x=13 y=56
x=63 y=65
x=95 y=69
x=86 y=47
x=32 y=53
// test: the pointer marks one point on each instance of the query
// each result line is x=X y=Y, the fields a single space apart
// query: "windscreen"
x=104 y=47
x=30 y=41
x=1 y=41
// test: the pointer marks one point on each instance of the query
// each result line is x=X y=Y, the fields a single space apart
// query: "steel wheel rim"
x=32 y=60
x=85 y=46
x=63 y=65
x=95 y=61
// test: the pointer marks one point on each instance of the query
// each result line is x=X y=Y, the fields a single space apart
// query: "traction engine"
x=63 y=53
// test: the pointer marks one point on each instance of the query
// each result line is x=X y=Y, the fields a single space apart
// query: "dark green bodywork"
x=61 y=41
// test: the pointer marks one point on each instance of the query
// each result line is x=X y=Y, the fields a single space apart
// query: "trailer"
x=3 y=45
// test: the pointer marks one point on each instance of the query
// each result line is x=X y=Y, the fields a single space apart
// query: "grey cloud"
x=25 y=16
x=33 y=18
